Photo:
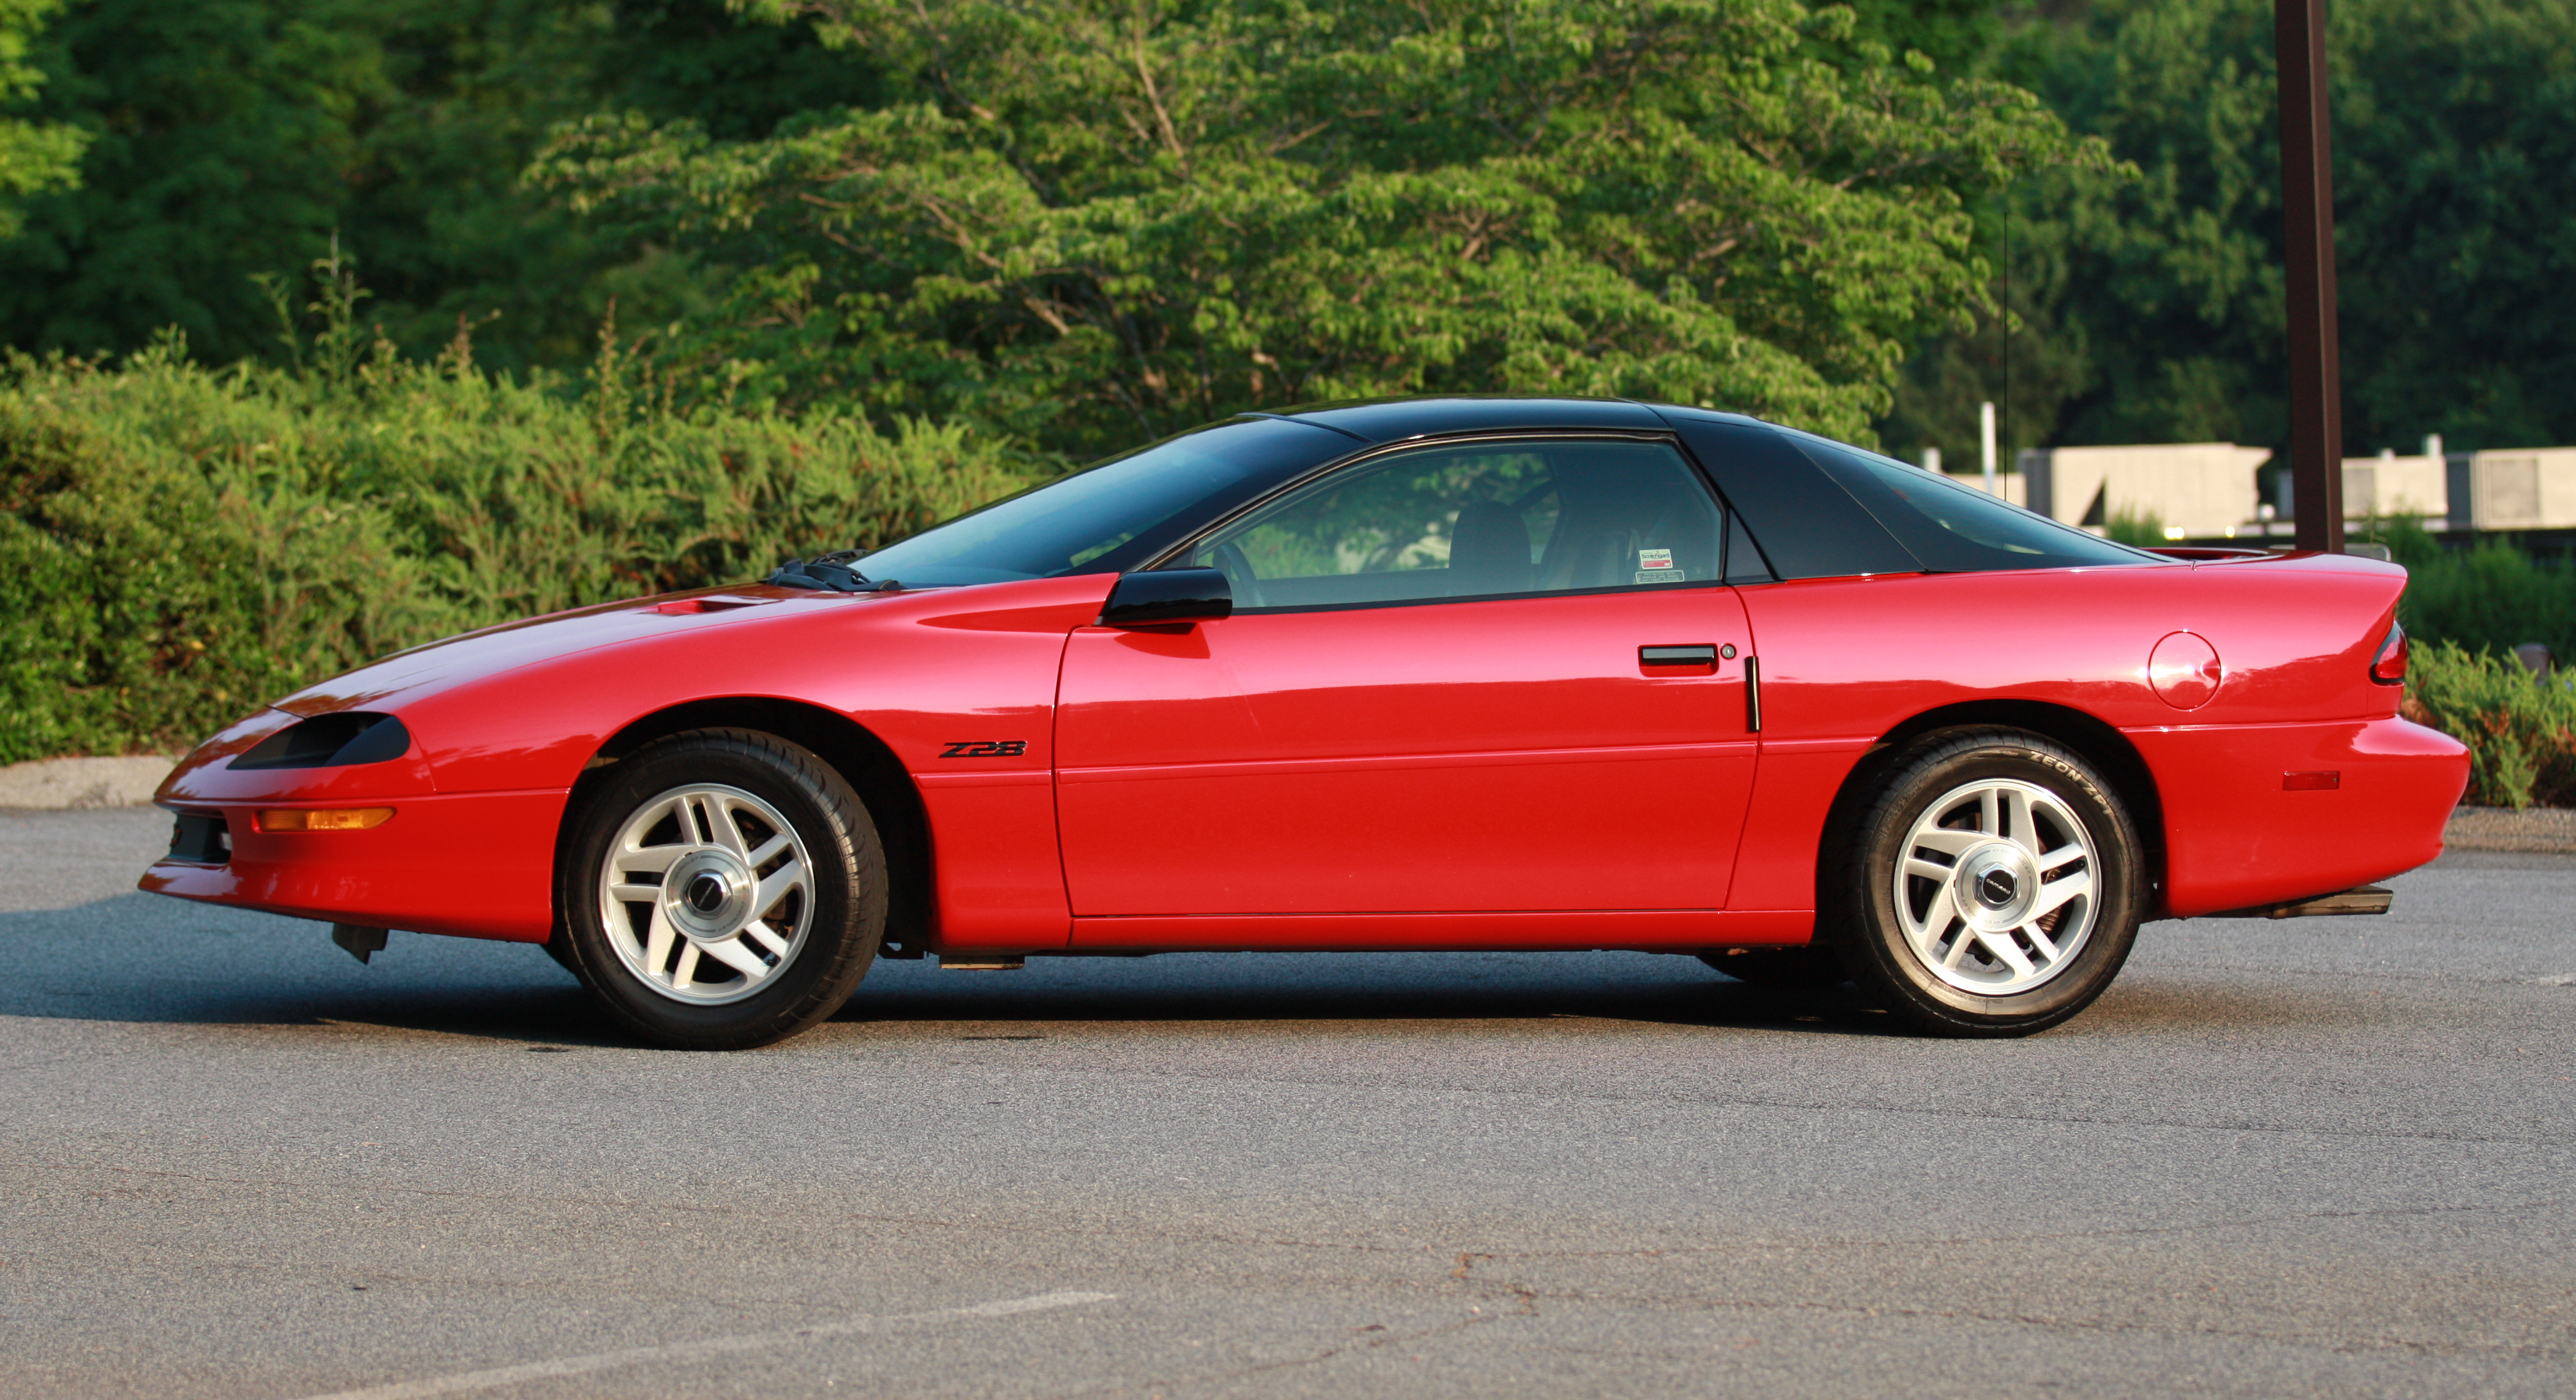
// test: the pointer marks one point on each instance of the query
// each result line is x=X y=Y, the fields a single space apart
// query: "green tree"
x=219 y=140
x=234 y=138
x=2151 y=309
x=1101 y=221
x=438 y=213
x=1957 y=35
x=34 y=156
x=2455 y=180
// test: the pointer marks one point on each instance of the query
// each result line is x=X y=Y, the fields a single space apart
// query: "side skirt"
x=1542 y=930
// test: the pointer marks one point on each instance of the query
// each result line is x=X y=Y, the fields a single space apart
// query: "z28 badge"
x=986 y=748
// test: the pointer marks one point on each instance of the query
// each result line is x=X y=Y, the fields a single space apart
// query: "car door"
x=1492 y=675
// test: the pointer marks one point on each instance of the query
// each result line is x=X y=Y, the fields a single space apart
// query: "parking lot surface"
x=2312 y=1157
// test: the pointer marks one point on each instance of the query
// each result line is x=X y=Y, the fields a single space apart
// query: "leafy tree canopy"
x=231 y=139
x=1104 y=221
x=33 y=155
x=2152 y=310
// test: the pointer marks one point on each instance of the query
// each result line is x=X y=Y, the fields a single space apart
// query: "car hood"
x=423 y=671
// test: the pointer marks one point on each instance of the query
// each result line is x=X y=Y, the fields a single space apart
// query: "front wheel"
x=1991 y=889
x=722 y=889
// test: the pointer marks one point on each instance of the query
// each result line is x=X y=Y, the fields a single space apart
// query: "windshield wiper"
x=830 y=573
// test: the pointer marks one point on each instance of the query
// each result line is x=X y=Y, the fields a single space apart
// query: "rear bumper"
x=2241 y=833
x=478 y=865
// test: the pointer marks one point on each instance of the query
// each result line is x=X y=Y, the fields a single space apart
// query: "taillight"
x=2389 y=667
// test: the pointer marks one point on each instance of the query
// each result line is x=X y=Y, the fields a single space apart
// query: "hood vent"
x=683 y=607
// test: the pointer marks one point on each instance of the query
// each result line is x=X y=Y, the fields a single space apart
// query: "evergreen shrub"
x=2521 y=730
x=2493 y=597
x=185 y=543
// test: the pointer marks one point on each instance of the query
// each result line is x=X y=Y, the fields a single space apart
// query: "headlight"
x=330 y=741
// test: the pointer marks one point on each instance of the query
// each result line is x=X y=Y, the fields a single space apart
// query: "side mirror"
x=1168 y=595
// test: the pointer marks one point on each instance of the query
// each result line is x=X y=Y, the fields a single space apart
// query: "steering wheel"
x=1238 y=573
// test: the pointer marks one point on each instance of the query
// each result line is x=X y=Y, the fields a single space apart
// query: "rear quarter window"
x=1955 y=529
x=1807 y=525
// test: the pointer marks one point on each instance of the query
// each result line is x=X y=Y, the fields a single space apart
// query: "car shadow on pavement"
x=140 y=959
x=137 y=959
x=1325 y=990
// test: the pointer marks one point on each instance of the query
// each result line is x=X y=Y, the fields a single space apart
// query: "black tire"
x=1857 y=887
x=1811 y=968
x=845 y=883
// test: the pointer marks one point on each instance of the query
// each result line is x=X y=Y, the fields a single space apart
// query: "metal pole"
x=1986 y=443
x=2307 y=208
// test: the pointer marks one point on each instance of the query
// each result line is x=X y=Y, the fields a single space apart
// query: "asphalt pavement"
x=2312 y=1157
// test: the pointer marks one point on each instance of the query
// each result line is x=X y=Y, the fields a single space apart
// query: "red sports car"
x=1422 y=674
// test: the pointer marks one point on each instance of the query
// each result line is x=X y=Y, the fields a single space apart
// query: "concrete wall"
x=2201 y=490
x=2520 y=488
x=2394 y=486
x=2205 y=490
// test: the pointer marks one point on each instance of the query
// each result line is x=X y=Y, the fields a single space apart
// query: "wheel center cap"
x=1997 y=883
x=707 y=895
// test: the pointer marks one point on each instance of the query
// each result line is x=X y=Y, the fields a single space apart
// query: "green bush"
x=2521 y=732
x=2489 y=598
x=2144 y=529
x=186 y=543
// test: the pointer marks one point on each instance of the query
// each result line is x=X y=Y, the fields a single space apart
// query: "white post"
x=2433 y=445
x=1932 y=460
x=1986 y=443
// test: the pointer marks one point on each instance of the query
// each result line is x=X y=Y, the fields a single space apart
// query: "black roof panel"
x=1393 y=420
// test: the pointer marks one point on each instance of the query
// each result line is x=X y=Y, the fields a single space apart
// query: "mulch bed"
x=2504 y=829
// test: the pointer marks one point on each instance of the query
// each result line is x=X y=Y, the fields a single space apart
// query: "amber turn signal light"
x=324 y=818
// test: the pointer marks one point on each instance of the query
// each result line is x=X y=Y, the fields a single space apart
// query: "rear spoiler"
x=2204 y=553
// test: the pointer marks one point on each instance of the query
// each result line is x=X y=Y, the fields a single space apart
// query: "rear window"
x=1955 y=529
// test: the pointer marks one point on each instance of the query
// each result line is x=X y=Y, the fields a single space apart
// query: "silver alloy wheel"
x=706 y=894
x=1994 y=886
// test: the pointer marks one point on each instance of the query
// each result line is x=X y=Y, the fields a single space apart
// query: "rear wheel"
x=723 y=889
x=1992 y=888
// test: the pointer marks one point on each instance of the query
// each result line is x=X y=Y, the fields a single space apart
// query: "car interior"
x=1477 y=520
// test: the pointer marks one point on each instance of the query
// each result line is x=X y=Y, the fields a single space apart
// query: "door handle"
x=1696 y=654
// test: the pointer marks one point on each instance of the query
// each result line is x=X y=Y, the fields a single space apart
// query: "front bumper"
x=478 y=865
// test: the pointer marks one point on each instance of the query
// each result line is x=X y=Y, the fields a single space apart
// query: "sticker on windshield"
x=1663 y=575
x=1654 y=559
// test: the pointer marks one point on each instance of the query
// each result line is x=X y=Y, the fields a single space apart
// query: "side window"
x=1473 y=520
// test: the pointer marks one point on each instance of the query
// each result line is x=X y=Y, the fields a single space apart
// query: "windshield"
x=1113 y=515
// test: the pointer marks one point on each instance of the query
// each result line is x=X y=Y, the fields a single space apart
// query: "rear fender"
x=2097 y=743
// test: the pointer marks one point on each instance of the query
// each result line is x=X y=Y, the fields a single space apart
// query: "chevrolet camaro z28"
x=1423 y=674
